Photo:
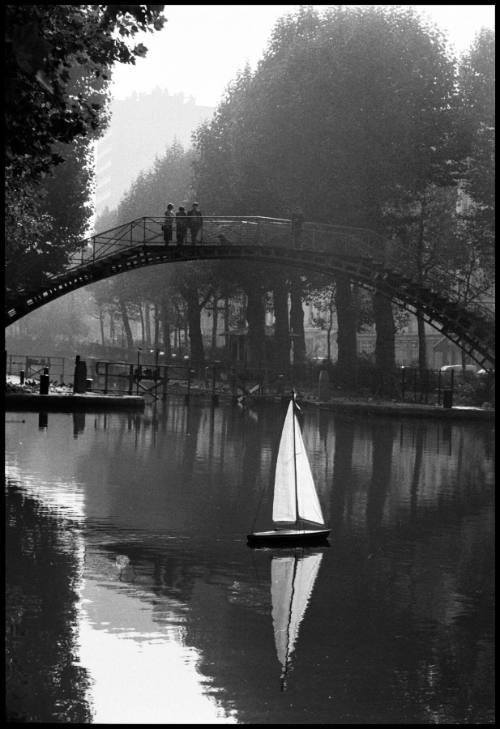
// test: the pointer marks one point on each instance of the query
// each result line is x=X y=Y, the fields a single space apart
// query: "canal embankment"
x=404 y=409
x=64 y=400
x=59 y=402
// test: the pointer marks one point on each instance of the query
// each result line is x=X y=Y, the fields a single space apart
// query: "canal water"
x=132 y=596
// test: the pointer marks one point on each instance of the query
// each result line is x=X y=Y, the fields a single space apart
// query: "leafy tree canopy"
x=58 y=68
x=54 y=53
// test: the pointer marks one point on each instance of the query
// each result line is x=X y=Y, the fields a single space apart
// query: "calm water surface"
x=132 y=596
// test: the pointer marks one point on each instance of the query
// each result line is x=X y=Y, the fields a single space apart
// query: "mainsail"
x=293 y=481
x=292 y=582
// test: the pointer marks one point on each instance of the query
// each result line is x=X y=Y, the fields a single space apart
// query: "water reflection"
x=141 y=669
x=140 y=522
x=292 y=582
x=78 y=423
x=44 y=679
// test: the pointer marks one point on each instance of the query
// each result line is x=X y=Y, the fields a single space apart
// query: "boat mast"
x=295 y=464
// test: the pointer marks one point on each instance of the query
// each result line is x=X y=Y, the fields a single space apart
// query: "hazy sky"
x=201 y=47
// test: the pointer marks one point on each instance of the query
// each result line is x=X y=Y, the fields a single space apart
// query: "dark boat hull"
x=287 y=537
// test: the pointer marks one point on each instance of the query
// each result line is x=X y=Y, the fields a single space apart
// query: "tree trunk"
x=297 y=323
x=227 y=312
x=215 y=320
x=147 y=319
x=165 y=320
x=143 y=328
x=256 y=328
x=101 y=325
x=157 y=326
x=112 y=327
x=126 y=324
x=385 y=357
x=346 y=332
x=331 y=308
x=422 y=346
x=194 y=325
x=281 y=329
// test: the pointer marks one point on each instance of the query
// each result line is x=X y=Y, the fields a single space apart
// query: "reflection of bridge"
x=360 y=254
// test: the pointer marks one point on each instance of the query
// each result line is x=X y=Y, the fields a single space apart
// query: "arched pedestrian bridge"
x=360 y=254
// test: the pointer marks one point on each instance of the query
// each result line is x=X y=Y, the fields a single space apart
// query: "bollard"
x=21 y=377
x=88 y=384
x=44 y=382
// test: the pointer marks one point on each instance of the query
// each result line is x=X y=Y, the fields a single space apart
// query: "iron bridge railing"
x=251 y=230
x=338 y=240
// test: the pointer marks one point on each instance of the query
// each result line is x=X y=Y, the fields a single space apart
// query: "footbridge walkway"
x=363 y=256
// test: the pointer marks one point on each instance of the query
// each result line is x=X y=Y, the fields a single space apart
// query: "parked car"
x=459 y=371
x=485 y=373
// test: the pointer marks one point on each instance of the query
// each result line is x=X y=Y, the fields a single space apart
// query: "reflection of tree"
x=417 y=468
x=44 y=684
x=193 y=422
x=78 y=423
x=383 y=438
x=342 y=471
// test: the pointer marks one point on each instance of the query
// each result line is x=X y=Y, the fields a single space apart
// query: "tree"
x=425 y=227
x=358 y=104
x=44 y=46
x=58 y=65
x=324 y=303
x=169 y=179
x=477 y=94
x=477 y=86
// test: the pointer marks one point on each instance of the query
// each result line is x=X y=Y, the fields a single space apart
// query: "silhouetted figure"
x=168 y=224
x=195 y=222
x=181 y=224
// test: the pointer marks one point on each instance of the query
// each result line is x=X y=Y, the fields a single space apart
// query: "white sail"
x=292 y=582
x=307 y=497
x=284 y=505
x=290 y=467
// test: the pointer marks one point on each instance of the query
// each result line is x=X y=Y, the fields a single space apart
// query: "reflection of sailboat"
x=292 y=581
x=297 y=514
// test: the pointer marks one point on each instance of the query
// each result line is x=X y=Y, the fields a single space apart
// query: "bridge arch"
x=329 y=250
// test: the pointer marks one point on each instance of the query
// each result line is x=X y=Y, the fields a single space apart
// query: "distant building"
x=141 y=128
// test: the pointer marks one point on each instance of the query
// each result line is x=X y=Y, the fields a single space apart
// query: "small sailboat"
x=292 y=581
x=297 y=514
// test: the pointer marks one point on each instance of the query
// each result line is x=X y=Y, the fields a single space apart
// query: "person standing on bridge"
x=181 y=223
x=168 y=224
x=195 y=222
